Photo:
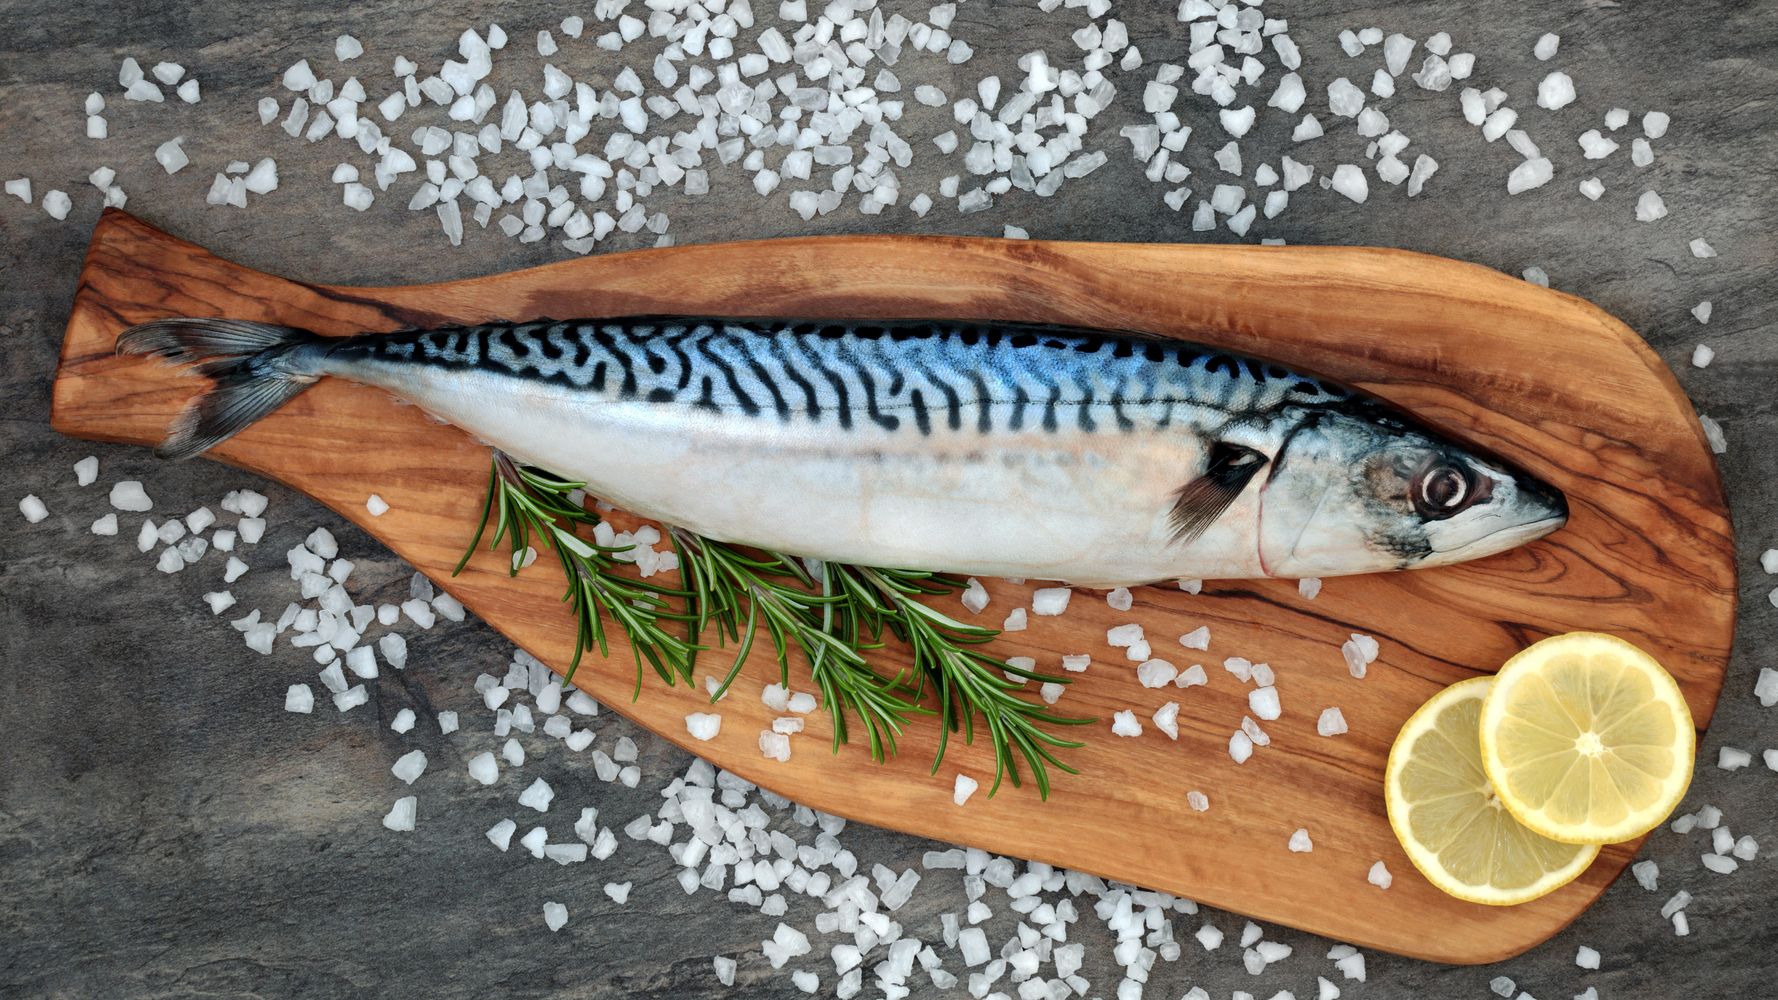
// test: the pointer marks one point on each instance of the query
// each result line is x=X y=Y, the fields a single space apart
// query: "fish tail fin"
x=256 y=367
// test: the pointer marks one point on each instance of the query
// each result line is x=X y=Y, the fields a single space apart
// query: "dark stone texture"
x=166 y=830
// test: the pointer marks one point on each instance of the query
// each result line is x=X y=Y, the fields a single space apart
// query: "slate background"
x=166 y=830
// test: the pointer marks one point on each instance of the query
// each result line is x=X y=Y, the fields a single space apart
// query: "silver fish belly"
x=1042 y=452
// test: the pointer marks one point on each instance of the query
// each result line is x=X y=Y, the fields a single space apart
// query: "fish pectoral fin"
x=1200 y=502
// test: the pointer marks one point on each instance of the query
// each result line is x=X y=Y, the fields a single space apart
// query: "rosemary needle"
x=830 y=613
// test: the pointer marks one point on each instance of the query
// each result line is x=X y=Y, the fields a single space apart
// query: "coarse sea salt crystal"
x=128 y=495
x=1332 y=722
x=963 y=788
x=1309 y=587
x=703 y=725
x=1263 y=701
x=1166 y=718
x=1545 y=49
x=1502 y=986
x=1300 y=842
x=1240 y=747
x=1016 y=621
x=1647 y=874
x=33 y=508
x=1701 y=311
x=538 y=796
x=1120 y=599
x=1349 y=180
x=1124 y=723
x=1050 y=601
x=402 y=814
x=409 y=766
x=1654 y=124
x=555 y=915
x=1702 y=249
x=1156 y=673
x=299 y=699
x=1531 y=174
x=1199 y=802
x=1592 y=187
x=1702 y=355
x=106 y=525
x=1556 y=91
x=376 y=505
x=1650 y=207
x=975 y=596
x=1586 y=958
x=1379 y=876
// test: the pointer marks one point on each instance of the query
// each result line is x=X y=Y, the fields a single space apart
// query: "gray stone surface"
x=166 y=830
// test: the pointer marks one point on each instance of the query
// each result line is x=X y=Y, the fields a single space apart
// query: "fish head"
x=1362 y=489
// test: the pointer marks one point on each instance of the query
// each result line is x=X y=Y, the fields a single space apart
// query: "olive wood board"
x=1541 y=378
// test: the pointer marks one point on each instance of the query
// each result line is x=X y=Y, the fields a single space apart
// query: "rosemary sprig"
x=831 y=615
x=526 y=503
x=968 y=682
x=722 y=579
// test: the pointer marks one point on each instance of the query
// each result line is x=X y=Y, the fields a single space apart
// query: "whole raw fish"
x=993 y=449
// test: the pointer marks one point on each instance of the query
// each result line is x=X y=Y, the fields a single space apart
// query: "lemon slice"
x=1587 y=739
x=1444 y=811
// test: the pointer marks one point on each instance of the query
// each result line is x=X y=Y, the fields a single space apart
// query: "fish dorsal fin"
x=1200 y=502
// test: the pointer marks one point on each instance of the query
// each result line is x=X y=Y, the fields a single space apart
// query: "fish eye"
x=1442 y=489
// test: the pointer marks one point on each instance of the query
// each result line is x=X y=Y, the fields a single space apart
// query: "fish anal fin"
x=1200 y=502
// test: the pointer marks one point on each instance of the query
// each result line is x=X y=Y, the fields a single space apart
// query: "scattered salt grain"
x=1502 y=986
x=1332 y=722
x=619 y=891
x=409 y=766
x=1050 y=601
x=1379 y=876
x=975 y=596
x=1309 y=587
x=128 y=495
x=555 y=915
x=1016 y=621
x=401 y=814
x=1545 y=49
x=33 y=508
x=1702 y=355
x=538 y=796
x=1702 y=250
x=1654 y=124
x=1263 y=701
x=1166 y=719
x=106 y=525
x=1300 y=842
x=1731 y=759
x=1120 y=599
x=20 y=188
x=86 y=471
x=963 y=788
x=1240 y=747
x=1701 y=312
x=1647 y=874
x=1199 y=803
x=376 y=505
x=299 y=699
x=703 y=725
x=1555 y=91
x=1592 y=187
x=1349 y=181
x=1586 y=958
x=1531 y=174
x=1124 y=724
x=1650 y=207
x=1156 y=673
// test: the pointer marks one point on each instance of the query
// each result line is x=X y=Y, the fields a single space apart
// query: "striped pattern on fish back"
x=920 y=376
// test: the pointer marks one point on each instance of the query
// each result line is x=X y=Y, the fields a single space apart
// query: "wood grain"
x=1542 y=378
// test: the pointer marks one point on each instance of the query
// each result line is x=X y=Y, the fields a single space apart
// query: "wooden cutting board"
x=1542 y=378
